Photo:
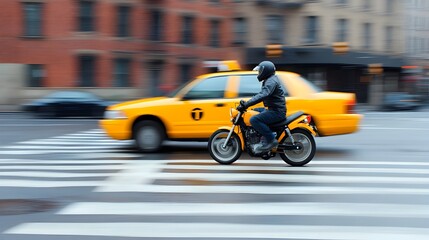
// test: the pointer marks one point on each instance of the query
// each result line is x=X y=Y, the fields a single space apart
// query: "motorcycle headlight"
x=114 y=114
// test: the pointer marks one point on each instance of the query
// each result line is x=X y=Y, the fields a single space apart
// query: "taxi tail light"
x=307 y=119
x=350 y=106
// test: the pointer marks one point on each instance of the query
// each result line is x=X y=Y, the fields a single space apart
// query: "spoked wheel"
x=228 y=154
x=307 y=148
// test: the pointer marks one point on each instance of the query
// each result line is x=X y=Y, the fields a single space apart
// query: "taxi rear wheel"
x=148 y=136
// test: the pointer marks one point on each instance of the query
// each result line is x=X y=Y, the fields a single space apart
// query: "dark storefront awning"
x=322 y=56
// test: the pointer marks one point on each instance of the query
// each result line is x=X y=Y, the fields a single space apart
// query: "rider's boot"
x=266 y=146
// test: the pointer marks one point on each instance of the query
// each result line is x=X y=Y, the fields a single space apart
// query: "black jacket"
x=272 y=94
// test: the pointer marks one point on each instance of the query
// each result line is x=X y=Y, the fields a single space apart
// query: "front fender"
x=236 y=130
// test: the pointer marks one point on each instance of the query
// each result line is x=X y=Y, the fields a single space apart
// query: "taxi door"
x=203 y=109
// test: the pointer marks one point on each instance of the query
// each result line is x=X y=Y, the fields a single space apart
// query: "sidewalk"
x=9 y=108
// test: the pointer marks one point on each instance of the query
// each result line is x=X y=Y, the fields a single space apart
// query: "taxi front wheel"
x=148 y=136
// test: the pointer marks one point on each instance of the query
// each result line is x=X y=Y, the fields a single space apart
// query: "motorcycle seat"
x=293 y=117
x=286 y=121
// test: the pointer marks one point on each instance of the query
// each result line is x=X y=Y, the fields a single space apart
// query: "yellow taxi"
x=194 y=111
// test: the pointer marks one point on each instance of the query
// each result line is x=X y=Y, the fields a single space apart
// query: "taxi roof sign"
x=224 y=66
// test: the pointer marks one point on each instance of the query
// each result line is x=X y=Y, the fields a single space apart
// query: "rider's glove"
x=242 y=107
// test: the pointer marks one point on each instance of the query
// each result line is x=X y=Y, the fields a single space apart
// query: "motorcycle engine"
x=253 y=139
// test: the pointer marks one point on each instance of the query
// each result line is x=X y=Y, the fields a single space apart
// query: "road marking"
x=220 y=230
x=45 y=174
x=263 y=190
x=136 y=173
x=64 y=167
x=47 y=184
x=63 y=161
x=395 y=128
x=75 y=142
x=246 y=209
x=47 y=151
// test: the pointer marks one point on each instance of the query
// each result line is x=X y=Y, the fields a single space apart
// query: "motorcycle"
x=295 y=135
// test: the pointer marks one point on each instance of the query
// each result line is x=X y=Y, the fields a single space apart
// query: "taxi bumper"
x=337 y=124
x=116 y=128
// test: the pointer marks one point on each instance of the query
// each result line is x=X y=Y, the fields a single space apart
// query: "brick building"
x=122 y=48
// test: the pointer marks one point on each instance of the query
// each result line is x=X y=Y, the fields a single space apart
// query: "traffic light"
x=274 y=50
x=340 y=47
x=375 y=68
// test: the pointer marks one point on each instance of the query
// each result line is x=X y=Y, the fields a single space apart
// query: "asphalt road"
x=64 y=179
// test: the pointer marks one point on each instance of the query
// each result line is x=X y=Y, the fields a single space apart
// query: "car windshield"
x=71 y=95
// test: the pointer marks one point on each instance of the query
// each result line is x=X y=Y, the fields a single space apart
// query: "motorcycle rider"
x=273 y=97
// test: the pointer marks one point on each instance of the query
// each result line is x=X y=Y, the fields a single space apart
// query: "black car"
x=67 y=104
x=401 y=101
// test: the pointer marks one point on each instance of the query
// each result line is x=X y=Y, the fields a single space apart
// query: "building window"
x=390 y=6
x=122 y=72
x=86 y=16
x=341 y=2
x=32 y=19
x=187 y=28
x=214 y=33
x=240 y=31
x=216 y=2
x=342 y=30
x=185 y=72
x=87 y=71
x=311 y=34
x=123 y=16
x=155 y=78
x=367 y=36
x=156 y=27
x=367 y=5
x=389 y=38
x=275 y=29
x=35 y=75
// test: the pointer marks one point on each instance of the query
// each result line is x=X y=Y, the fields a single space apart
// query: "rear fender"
x=299 y=123
x=236 y=130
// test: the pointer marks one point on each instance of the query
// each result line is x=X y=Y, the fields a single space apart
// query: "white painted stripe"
x=220 y=230
x=46 y=151
x=56 y=162
x=100 y=134
x=281 y=163
x=95 y=130
x=75 y=142
x=50 y=147
x=80 y=137
x=301 y=169
x=395 y=128
x=246 y=209
x=263 y=190
x=46 y=174
x=66 y=167
x=301 y=178
x=137 y=173
x=37 y=125
x=47 y=184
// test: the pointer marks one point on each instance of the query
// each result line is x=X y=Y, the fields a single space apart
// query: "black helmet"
x=265 y=70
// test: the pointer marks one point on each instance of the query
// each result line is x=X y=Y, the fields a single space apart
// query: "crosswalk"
x=198 y=198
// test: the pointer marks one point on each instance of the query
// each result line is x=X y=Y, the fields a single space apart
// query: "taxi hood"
x=155 y=101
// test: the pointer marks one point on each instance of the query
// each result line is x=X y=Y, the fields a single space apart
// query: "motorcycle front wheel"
x=228 y=154
x=305 y=154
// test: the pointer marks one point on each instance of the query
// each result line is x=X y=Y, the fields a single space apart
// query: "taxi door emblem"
x=197 y=114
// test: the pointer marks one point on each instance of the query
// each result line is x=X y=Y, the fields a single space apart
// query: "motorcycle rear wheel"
x=226 y=155
x=305 y=140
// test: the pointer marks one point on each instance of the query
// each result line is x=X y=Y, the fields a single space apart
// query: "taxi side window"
x=209 y=88
x=249 y=86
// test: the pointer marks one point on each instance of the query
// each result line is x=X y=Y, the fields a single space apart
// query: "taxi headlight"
x=114 y=114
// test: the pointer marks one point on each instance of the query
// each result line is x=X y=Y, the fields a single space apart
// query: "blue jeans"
x=262 y=121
